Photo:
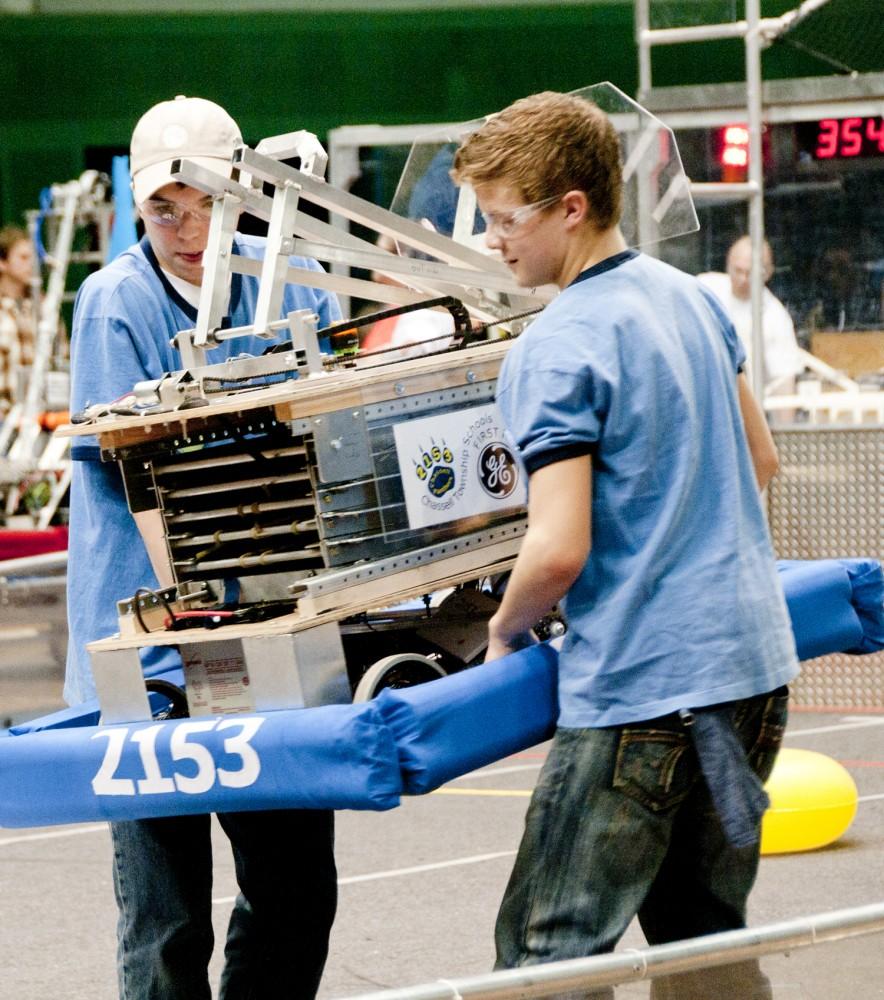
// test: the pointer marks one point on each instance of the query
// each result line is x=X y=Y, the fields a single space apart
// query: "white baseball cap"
x=188 y=128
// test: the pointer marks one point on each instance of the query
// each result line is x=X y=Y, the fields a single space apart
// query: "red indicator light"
x=734 y=156
x=733 y=152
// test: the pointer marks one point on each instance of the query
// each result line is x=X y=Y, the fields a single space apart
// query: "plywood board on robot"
x=306 y=397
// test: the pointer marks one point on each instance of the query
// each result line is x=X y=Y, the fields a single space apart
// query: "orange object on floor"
x=54 y=418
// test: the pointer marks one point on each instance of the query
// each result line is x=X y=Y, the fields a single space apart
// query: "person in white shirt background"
x=782 y=358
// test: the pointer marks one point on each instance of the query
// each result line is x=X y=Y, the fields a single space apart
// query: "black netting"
x=846 y=35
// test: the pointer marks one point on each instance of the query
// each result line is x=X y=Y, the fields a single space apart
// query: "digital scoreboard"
x=842 y=138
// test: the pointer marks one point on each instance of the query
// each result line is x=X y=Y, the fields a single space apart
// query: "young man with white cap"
x=124 y=318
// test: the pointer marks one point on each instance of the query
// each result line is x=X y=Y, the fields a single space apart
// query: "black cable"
x=158 y=596
x=453 y=305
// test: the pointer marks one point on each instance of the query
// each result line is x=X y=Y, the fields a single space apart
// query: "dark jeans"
x=621 y=824
x=277 y=939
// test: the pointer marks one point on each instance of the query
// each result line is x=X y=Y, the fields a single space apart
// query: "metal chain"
x=465 y=341
x=335 y=362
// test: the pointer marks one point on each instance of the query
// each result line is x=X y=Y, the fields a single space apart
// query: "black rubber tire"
x=177 y=699
x=400 y=670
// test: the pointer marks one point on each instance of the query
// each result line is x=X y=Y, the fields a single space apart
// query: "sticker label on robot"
x=217 y=681
x=457 y=465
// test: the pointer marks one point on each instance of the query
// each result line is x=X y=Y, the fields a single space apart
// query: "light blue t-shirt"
x=124 y=317
x=678 y=605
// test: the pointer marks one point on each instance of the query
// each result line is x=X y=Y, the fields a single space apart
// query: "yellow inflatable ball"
x=812 y=802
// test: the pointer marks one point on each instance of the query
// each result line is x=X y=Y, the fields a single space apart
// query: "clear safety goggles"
x=171 y=216
x=507 y=224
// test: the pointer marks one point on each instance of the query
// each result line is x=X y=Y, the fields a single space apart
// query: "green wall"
x=74 y=83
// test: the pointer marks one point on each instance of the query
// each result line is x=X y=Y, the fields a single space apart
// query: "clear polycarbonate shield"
x=657 y=202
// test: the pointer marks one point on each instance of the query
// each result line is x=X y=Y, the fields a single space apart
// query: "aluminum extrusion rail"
x=648 y=963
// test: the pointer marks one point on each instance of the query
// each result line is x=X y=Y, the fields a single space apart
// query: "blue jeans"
x=621 y=824
x=277 y=939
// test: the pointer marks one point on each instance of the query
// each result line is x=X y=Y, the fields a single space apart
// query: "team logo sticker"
x=435 y=469
x=456 y=465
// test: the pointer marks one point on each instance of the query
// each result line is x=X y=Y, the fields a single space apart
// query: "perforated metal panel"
x=827 y=502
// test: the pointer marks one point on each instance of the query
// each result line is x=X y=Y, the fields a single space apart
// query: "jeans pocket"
x=656 y=767
x=769 y=737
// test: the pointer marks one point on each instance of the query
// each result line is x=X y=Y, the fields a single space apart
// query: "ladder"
x=24 y=449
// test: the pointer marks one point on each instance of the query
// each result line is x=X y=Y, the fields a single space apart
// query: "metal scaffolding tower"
x=757 y=33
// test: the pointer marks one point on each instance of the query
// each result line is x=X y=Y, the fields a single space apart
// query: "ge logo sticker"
x=498 y=471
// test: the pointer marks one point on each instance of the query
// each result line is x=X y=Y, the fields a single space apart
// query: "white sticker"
x=216 y=678
x=456 y=465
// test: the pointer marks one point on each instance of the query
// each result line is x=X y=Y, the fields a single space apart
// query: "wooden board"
x=852 y=352
x=306 y=397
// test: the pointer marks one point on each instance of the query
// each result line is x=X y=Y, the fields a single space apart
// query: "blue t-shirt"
x=678 y=605
x=124 y=317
